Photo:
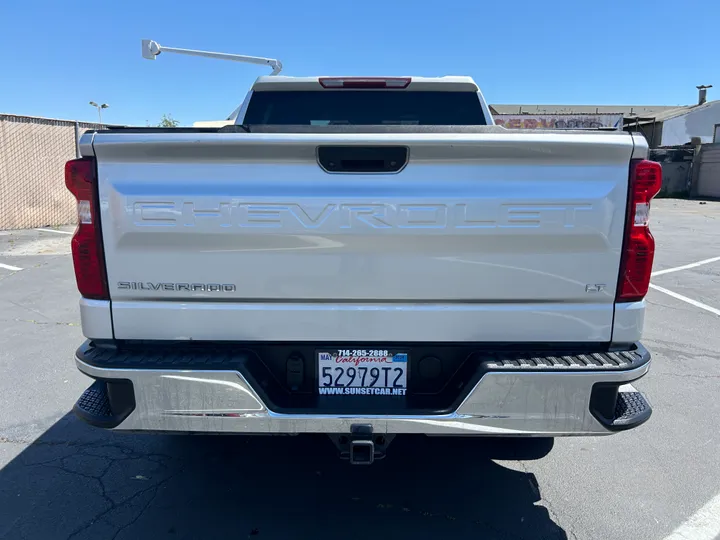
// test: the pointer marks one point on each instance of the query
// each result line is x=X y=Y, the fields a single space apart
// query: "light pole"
x=99 y=109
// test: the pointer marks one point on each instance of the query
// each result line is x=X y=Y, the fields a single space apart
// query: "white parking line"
x=705 y=523
x=53 y=230
x=685 y=267
x=686 y=299
x=702 y=525
x=10 y=267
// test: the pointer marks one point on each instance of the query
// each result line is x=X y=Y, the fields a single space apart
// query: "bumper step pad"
x=631 y=409
x=619 y=408
x=95 y=402
x=106 y=404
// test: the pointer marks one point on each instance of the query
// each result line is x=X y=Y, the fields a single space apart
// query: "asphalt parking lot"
x=62 y=479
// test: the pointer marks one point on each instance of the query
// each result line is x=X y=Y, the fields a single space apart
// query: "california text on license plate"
x=365 y=372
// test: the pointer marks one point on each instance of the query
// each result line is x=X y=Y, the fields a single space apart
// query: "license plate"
x=362 y=372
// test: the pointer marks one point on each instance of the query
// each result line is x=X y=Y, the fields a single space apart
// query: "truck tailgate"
x=480 y=237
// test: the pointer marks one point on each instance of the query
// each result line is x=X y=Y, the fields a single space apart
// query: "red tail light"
x=365 y=82
x=86 y=244
x=639 y=245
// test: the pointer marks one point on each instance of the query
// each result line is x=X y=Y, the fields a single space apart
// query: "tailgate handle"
x=362 y=159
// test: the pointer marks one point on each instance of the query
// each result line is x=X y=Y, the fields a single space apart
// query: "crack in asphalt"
x=690 y=350
x=73 y=444
x=28 y=308
x=62 y=464
x=59 y=323
x=114 y=506
x=671 y=307
x=147 y=505
x=688 y=375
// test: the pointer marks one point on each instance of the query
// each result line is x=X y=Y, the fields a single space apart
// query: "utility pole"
x=99 y=110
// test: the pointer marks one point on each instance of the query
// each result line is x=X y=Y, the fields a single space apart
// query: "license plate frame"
x=352 y=371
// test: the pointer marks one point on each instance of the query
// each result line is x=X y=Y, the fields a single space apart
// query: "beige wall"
x=33 y=152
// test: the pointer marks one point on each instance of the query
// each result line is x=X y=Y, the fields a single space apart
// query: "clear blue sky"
x=58 y=55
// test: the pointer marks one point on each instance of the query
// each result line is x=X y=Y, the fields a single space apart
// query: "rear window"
x=364 y=108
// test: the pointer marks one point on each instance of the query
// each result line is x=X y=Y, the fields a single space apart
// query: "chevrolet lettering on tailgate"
x=336 y=217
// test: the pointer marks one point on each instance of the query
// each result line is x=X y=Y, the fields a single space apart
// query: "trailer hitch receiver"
x=361 y=447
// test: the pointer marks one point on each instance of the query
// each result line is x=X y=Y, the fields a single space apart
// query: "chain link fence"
x=33 y=152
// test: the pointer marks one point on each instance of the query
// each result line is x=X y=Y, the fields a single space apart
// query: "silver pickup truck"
x=363 y=257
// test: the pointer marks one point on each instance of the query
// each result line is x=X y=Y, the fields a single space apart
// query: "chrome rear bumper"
x=509 y=403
